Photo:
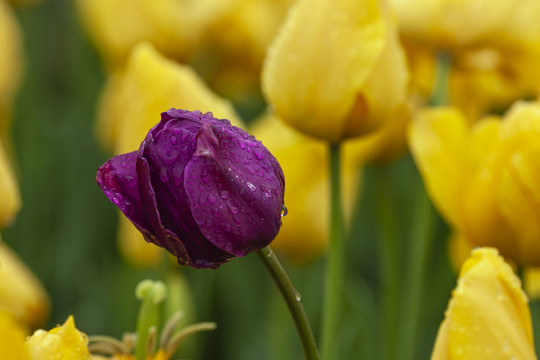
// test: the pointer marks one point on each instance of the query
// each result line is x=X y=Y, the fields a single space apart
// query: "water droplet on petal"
x=233 y=210
x=173 y=139
x=259 y=153
x=211 y=199
x=224 y=194
x=298 y=296
x=284 y=211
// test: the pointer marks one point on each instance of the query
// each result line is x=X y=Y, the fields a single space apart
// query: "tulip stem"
x=336 y=264
x=292 y=299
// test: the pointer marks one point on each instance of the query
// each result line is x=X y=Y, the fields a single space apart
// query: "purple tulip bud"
x=199 y=187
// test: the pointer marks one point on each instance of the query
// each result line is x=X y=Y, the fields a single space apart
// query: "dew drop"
x=233 y=210
x=211 y=199
x=224 y=194
x=123 y=164
x=259 y=153
x=173 y=139
x=115 y=201
x=184 y=136
x=284 y=211
x=297 y=296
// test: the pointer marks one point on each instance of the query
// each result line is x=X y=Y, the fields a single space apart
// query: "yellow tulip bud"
x=21 y=294
x=488 y=316
x=484 y=179
x=304 y=232
x=61 y=343
x=149 y=85
x=336 y=70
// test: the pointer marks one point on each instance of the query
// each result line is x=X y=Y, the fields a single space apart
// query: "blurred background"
x=66 y=230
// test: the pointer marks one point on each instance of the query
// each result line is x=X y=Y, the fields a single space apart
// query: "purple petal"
x=162 y=161
x=236 y=195
x=118 y=180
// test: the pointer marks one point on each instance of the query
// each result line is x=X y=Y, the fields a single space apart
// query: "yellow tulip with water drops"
x=131 y=103
x=488 y=316
x=484 y=179
x=336 y=69
x=63 y=342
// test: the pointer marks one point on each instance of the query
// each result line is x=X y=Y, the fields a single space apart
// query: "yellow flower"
x=150 y=84
x=461 y=24
x=10 y=63
x=12 y=338
x=484 y=180
x=488 y=316
x=336 y=70
x=304 y=233
x=9 y=191
x=21 y=294
x=172 y=26
x=61 y=343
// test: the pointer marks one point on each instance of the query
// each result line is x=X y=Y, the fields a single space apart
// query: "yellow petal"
x=9 y=191
x=21 y=294
x=488 y=316
x=323 y=55
x=61 y=343
x=304 y=233
x=519 y=183
x=10 y=63
x=439 y=139
x=12 y=337
x=152 y=84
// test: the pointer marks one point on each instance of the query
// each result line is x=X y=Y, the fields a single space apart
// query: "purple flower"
x=199 y=187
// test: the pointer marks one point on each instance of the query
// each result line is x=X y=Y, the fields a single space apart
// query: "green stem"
x=336 y=262
x=439 y=95
x=292 y=299
x=389 y=261
x=418 y=251
x=151 y=293
x=421 y=238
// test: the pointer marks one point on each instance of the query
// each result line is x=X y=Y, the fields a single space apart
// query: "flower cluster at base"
x=204 y=190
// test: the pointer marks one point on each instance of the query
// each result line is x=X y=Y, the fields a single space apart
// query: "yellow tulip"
x=336 y=70
x=61 y=343
x=484 y=179
x=21 y=294
x=10 y=63
x=488 y=316
x=12 y=338
x=150 y=84
x=450 y=24
x=172 y=26
x=304 y=232
x=9 y=191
